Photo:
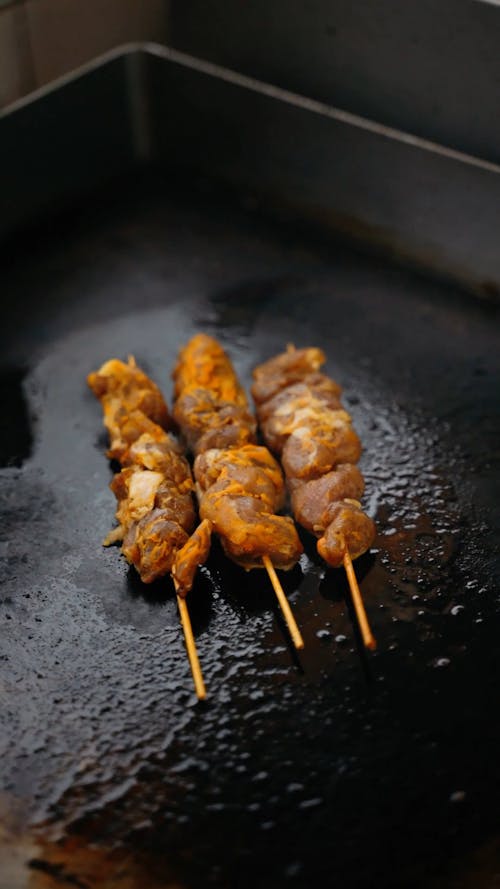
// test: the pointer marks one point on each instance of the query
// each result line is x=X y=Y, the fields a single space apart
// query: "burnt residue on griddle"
x=16 y=422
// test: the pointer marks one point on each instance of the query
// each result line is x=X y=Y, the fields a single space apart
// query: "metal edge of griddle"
x=419 y=202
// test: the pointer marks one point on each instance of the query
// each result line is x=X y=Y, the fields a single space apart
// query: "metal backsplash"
x=432 y=69
x=419 y=201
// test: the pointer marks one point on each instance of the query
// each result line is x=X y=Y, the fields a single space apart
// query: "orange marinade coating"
x=123 y=388
x=248 y=529
x=189 y=558
x=349 y=528
x=155 y=506
x=289 y=367
x=203 y=364
x=252 y=466
x=239 y=484
x=302 y=419
x=210 y=405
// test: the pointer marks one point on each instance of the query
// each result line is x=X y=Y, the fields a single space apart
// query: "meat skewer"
x=302 y=419
x=154 y=488
x=239 y=484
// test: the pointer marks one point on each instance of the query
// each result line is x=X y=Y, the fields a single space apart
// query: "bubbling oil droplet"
x=324 y=635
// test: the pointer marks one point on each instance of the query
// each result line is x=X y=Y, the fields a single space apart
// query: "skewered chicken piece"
x=239 y=492
x=239 y=484
x=156 y=511
x=123 y=389
x=210 y=406
x=239 y=487
x=302 y=419
x=154 y=489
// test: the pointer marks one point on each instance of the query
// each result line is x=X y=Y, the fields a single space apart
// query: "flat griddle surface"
x=366 y=771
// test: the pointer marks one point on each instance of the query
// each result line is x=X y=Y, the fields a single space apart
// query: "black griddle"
x=357 y=770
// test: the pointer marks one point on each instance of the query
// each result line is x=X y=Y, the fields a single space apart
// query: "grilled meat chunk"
x=203 y=364
x=122 y=389
x=193 y=554
x=138 y=491
x=349 y=528
x=313 y=389
x=289 y=367
x=157 y=450
x=301 y=418
x=313 y=501
x=252 y=466
x=150 y=545
x=177 y=505
x=135 y=490
x=247 y=529
x=210 y=406
x=313 y=417
x=239 y=485
x=154 y=489
x=227 y=434
x=315 y=449
x=208 y=421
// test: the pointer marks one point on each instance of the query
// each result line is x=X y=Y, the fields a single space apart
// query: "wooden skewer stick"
x=285 y=607
x=364 y=626
x=199 y=684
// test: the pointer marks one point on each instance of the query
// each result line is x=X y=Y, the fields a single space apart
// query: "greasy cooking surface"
x=376 y=771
